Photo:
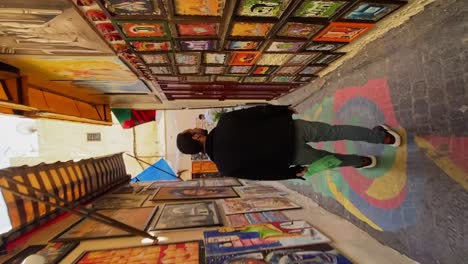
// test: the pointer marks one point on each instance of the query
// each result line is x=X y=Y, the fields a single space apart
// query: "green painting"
x=319 y=9
x=262 y=8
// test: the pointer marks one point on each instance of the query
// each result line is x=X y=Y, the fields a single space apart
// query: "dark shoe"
x=391 y=137
x=368 y=162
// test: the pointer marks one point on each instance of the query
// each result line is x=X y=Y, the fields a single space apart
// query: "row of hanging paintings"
x=254 y=227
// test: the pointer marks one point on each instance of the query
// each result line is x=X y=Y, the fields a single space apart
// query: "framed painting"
x=187 y=58
x=155 y=58
x=188 y=215
x=114 y=201
x=244 y=58
x=274 y=59
x=299 y=30
x=196 y=30
x=282 y=79
x=190 y=252
x=284 y=46
x=242 y=44
x=141 y=46
x=198 y=45
x=215 y=58
x=320 y=9
x=128 y=189
x=219 y=182
x=180 y=193
x=324 y=46
x=264 y=70
x=258 y=190
x=53 y=252
x=305 y=78
x=302 y=59
x=256 y=204
x=371 y=11
x=239 y=69
x=197 y=78
x=166 y=79
x=230 y=240
x=163 y=70
x=90 y=229
x=255 y=79
x=256 y=218
x=96 y=15
x=144 y=29
x=327 y=58
x=127 y=8
x=209 y=8
x=288 y=70
x=261 y=8
x=343 y=32
x=250 y=29
x=312 y=69
x=188 y=69
x=214 y=69
x=155 y=185
x=228 y=78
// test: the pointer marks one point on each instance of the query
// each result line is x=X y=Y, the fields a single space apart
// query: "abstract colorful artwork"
x=155 y=58
x=264 y=70
x=52 y=252
x=256 y=204
x=133 y=7
x=372 y=11
x=255 y=79
x=242 y=45
x=343 y=32
x=188 y=69
x=274 y=59
x=198 y=45
x=214 y=69
x=256 y=218
x=244 y=58
x=250 y=29
x=285 y=46
x=319 y=9
x=299 y=30
x=215 y=58
x=149 y=29
x=208 y=29
x=261 y=8
x=187 y=58
x=198 y=8
x=151 y=45
x=188 y=215
x=180 y=193
x=258 y=190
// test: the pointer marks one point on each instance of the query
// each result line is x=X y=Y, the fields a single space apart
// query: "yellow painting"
x=199 y=7
x=250 y=29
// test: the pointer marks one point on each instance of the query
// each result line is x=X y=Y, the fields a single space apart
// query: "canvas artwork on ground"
x=52 y=252
x=256 y=218
x=120 y=201
x=258 y=190
x=256 y=204
x=181 y=193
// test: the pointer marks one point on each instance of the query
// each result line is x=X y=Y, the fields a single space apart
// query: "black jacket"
x=255 y=143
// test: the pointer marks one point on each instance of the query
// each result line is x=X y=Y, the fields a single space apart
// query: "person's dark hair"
x=201 y=116
x=187 y=145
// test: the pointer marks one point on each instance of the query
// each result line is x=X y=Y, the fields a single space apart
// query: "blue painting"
x=370 y=11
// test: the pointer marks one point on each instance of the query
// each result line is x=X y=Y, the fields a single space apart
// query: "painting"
x=198 y=44
x=166 y=79
x=242 y=45
x=343 y=32
x=228 y=78
x=239 y=69
x=133 y=7
x=160 y=70
x=206 y=29
x=327 y=58
x=255 y=79
x=262 y=8
x=188 y=215
x=180 y=193
x=155 y=58
x=90 y=229
x=228 y=240
x=256 y=218
x=244 y=58
x=372 y=11
x=127 y=189
x=198 y=7
x=151 y=45
x=288 y=70
x=250 y=29
x=282 y=79
x=219 y=182
x=258 y=190
x=302 y=59
x=187 y=58
x=299 y=30
x=197 y=78
x=215 y=58
x=274 y=59
x=144 y=29
x=214 y=69
x=324 y=46
x=119 y=201
x=285 y=46
x=319 y=8
x=52 y=252
x=264 y=70
x=188 y=69
x=312 y=69
x=256 y=204
x=182 y=252
x=305 y=78
x=155 y=185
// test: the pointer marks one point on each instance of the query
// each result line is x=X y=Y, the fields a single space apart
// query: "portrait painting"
x=181 y=193
x=155 y=58
x=282 y=79
x=256 y=204
x=258 y=190
x=226 y=240
x=198 y=7
x=302 y=59
x=219 y=182
x=177 y=253
x=160 y=70
x=215 y=58
x=274 y=58
x=244 y=58
x=285 y=46
x=239 y=69
x=264 y=70
x=343 y=32
x=262 y=8
x=90 y=229
x=372 y=11
x=299 y=30
x=250 y=29
x=256 y=218
x=228 y=78
x=119 y=201
x=198 y=44
x=242 y=45
x=53 y=252
x=214 y=69
x=151 y=45
x=148 y=29
x=324 y=46
x=187 y=58
x=312 y=69
x=188 y=215
x=327 y=58
x=319 y=8
x=206 y=29
x=133 y=7
x=197 y=78
x=288 y=70
x=188 y=69
x=255 y=79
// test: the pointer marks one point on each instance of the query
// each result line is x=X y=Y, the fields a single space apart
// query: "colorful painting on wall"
x=319 y=9
x=188 y=215
x=324 y=46
x=187 y=58
x=239 y=69
x=183 y=252
x=198 y=44
x=302 y=59
x=90 y=229
x=215 y=58
x=250 y=29
x=133 y=7
x=264 y=70
x=343 y=32
x=147 y=29
x=299 y=30
x=246 y=58
x=285 y=46
x=256 y=218
x=52 y=252
x=283 y=79
x=242 y=45
x=261 y=8
x=274 y=59
x=180 y=193
x=119 y=201
x=151 y=45
x=214 y=69
x=255 y=79
x=258 y=190
x=188 y=69
x=198 y=8
x=228 y=78
x=309 y=70
x=207 y=29
x=370 y=11
x=228 y=240
x=155 y=58
x=257 y=204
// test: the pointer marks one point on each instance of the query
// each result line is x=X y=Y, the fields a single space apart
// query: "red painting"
x=244 y=58
x=343 y=32
x=198 y=29
x=144 y=30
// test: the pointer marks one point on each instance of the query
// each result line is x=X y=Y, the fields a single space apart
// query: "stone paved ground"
x=415 y=79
